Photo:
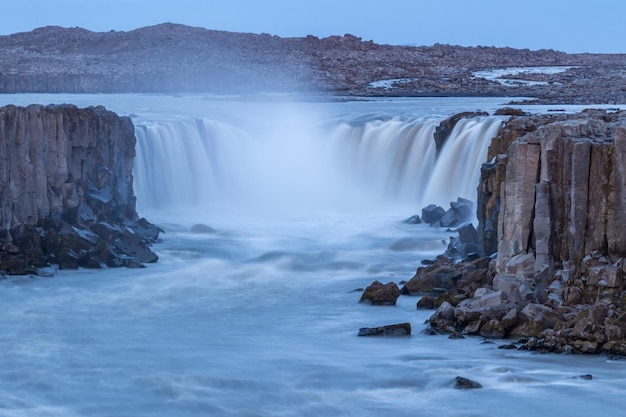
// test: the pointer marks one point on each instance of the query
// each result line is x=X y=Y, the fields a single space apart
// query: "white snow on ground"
x=390 y=83
x=496 y=74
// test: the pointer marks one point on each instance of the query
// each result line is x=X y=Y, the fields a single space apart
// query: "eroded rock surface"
x=66 y=190
x=556 y=190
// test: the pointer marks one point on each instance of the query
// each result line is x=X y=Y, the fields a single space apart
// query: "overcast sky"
x=566 y=25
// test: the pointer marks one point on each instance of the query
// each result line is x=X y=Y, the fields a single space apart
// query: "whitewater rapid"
x=260 y=316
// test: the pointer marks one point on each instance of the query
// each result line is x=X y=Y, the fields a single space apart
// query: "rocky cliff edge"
x=66 y=191
x=551 y=208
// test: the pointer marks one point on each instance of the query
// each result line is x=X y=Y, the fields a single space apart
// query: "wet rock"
x=442 y=275
x=432 y=214
x=413 y=220
x=443 y=131
x=380 y=294
x=464 y=383
x=510 y=111
x=401 y=329
x=426 y=302
x=72 y=205
x=493 y=329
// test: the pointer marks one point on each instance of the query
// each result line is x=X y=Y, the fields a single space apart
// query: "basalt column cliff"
x=552 y=204
x=66 y=191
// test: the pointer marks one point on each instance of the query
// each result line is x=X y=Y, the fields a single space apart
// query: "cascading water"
x=378 y=161
x=257 y=315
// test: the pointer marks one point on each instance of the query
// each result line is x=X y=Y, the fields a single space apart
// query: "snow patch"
x=497 y=74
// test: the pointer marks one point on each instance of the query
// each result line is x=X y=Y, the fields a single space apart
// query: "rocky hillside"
x=171 y=58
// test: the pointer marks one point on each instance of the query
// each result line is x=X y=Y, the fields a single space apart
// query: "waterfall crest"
x=303 y=164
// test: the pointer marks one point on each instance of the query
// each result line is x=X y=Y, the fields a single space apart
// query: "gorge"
x=253 y=294
x=278 y=174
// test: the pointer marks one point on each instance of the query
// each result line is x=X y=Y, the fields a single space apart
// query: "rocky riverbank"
x=66 y=187
x=551 y=205
x=170 y=58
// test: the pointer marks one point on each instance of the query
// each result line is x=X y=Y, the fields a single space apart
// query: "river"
x=255 y=312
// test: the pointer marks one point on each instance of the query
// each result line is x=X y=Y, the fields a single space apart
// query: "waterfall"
x=301 y=163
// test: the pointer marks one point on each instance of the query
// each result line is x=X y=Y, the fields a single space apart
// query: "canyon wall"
x=66 y=190
x=551 y=209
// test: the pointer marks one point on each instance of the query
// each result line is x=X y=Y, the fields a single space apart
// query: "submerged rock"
x=401 y=329
x=415 y=219
x=202 y=228
x=464 y=383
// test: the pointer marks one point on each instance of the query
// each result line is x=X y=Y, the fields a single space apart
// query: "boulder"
x=380 y=294
x=413 y=220
x=432 y=214
x=433 y=278
x=426 y=302
x=493 y=329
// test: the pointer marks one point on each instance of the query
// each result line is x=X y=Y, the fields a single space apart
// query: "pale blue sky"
x=566 y=25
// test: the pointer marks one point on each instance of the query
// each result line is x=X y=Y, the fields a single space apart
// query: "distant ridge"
x=170 y=58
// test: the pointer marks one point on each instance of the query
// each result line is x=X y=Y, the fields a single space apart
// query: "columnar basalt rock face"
x=556 y=188
x=65 y=173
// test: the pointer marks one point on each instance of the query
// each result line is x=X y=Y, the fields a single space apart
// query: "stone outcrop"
x=556 y=189
x=66 y=190
x=381 y=294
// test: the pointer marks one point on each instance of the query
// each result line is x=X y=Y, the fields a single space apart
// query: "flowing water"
x=257 y=314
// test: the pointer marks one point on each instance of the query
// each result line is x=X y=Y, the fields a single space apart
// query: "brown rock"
x=493 y=329
x=380 y=294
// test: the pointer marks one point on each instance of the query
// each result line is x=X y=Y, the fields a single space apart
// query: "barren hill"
x=171 y=58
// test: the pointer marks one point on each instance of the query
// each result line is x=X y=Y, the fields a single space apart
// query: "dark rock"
x=464 y=383
x=445 y=128
x=426 y=302
x=428 y=279
x=133 y=246
x=147 y=231
x=429 y=331
x=380 y=294
x=456 y=335
x=509 y=346
x=413 y=220
x=432 y=214
x=493 y=329
x=509 y=111
x=402 y=329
